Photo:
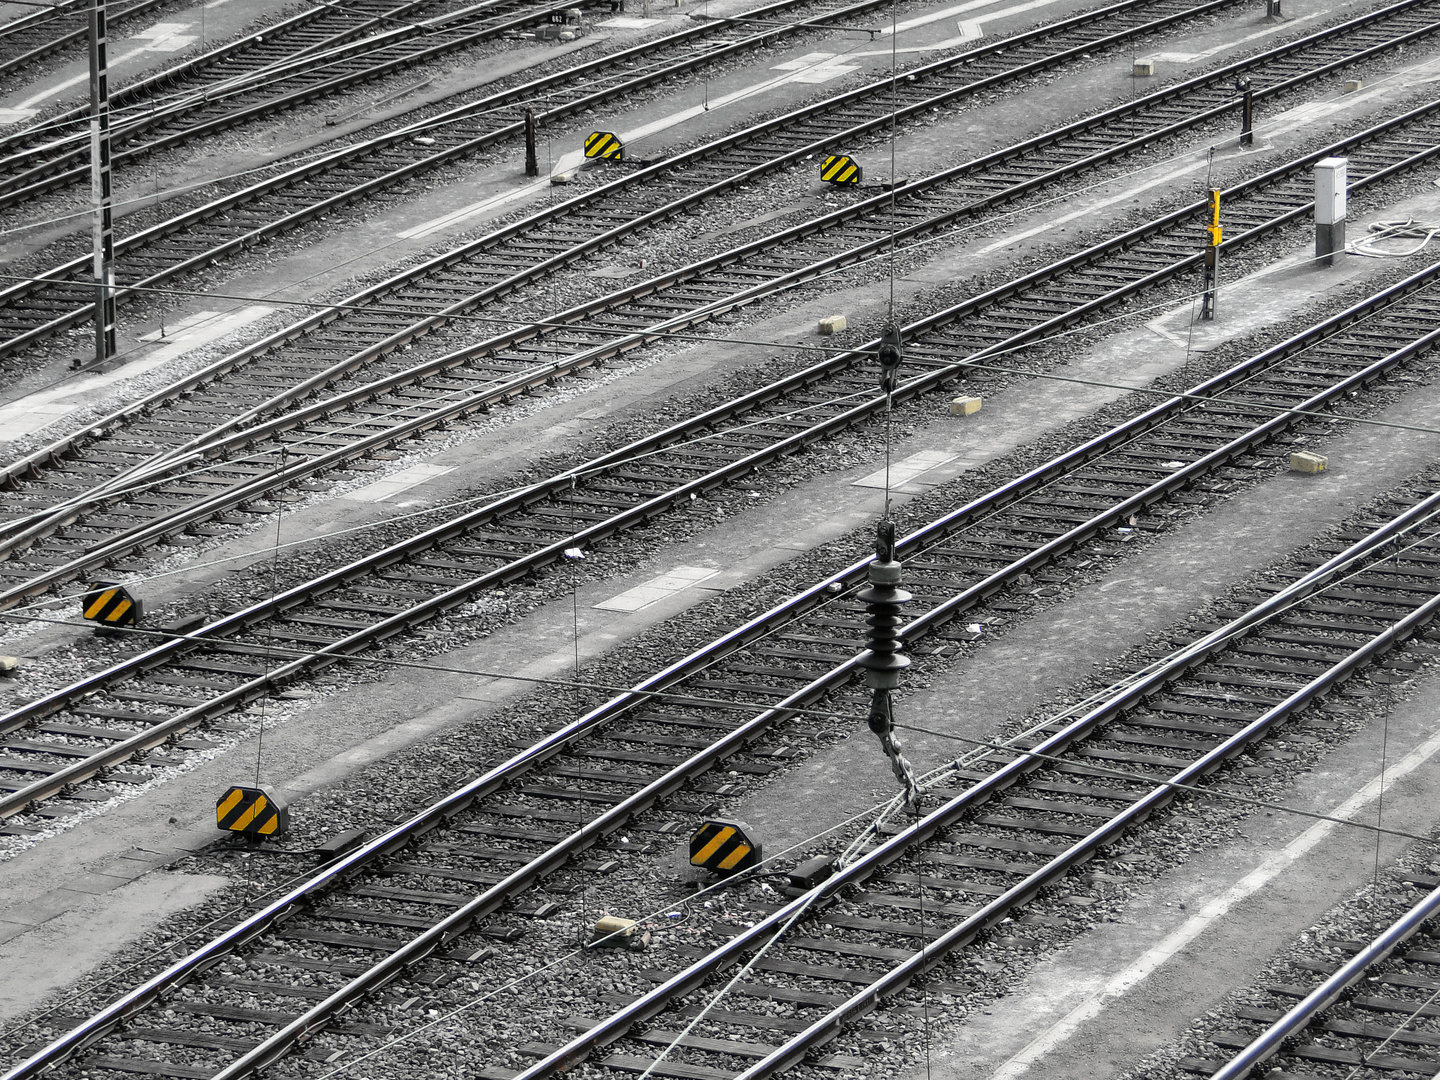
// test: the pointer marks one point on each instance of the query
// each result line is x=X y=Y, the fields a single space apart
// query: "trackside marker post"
x=1247 y=112
x=1330 y=181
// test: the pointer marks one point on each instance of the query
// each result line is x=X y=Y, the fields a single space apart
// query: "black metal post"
x=104 y=236
x=1247 y=112
x=532 y=159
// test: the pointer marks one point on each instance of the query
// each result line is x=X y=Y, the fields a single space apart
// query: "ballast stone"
x=832 y=324
x=964 y=406
x=9 y=665
x=1303 y=461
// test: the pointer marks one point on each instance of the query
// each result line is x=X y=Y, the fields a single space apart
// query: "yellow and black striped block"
x=604 y=144
x=253 y=812
x=110 y=605
x=723 y=847
x=841 y=169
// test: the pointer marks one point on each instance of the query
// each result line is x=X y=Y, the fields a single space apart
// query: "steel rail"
x=66 y=445
x=49 y=454
x=123 y=97
x=120 y=751
x=36 y=179
x=256 y=487
x=604 y=192
x=131 y=1003
x=1268 y=1042
x=992 y=912
x=276 y=1045
x=38 y=18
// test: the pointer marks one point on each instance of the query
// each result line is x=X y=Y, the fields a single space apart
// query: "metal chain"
x=882 y=723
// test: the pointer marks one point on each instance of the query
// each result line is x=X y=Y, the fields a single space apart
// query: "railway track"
x=289 y=438
x=58 y=298
x=159 y=695
x=1019 y=821
x=450 y=128
x=313 y=54
x=1372 y=1012
x=37 y=34
x=424 y=898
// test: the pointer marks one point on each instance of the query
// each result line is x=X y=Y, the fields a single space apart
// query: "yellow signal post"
x=1210 y=287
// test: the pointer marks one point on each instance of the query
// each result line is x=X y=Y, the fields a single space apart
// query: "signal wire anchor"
x=890 y=358
x=883 y=662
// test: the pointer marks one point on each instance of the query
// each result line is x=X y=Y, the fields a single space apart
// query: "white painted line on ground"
x=1168 y=335
x=163 y=37
x=35 y=411
x=970 y=29
x=945 y=14
x=656 y=589
x=398 y=481
x=629 y=22
x=1217 y=908
x=815 y=67
x=465 y=213
x=902 y=472
x=806 y=69
x=1189 y=58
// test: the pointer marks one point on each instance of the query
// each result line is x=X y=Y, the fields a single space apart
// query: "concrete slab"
x=62 y=950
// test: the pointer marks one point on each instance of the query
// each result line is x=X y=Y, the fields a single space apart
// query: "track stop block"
x=724 y=847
